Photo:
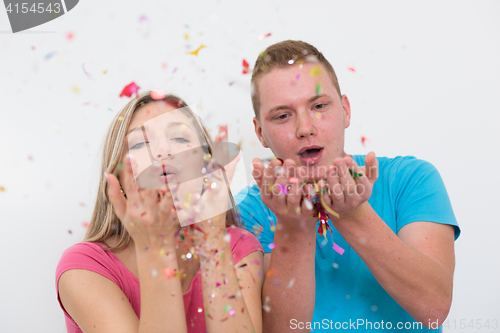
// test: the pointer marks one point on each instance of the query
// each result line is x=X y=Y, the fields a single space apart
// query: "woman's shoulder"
x=90 y=256
x=242 y=243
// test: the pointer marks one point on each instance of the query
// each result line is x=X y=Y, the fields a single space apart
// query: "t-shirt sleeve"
x=242 y=243
x=88 y=256
x=256 y=217
x=421 y=195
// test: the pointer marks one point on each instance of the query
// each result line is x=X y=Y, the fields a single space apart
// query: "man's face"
x=302 y=116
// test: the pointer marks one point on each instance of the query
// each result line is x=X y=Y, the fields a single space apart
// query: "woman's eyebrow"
x=178 y=123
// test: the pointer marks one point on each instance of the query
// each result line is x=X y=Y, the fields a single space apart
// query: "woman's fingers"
x=116 y=197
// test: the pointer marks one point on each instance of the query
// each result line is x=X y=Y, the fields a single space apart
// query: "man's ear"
x=346 y=106
x=258 y=131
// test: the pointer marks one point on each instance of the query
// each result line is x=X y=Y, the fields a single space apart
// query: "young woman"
x=160 y=255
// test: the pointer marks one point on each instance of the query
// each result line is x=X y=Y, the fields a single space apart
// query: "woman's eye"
x=180 y=140
x=138 y=145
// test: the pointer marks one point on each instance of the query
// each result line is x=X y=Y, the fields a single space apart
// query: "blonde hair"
x=279 y=55
x=104 y=222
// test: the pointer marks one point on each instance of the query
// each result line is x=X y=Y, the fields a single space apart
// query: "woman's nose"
x=161 y=152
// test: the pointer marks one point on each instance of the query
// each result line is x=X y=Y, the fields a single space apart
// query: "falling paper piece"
x=130 y=89
x=318 y=88
x=195 y=52
x=351 y=69
x=318 y=115
x=168 y=273
x=315 y=71
x=297 y=77
x=2 y=188
x=271 y=246
x=86 y=73
x=143 y=18
x=69 y=36
x=246 y=67
x=50 y=55
x=222 y=135
x=261 y=37
x=85 y=224
x=30 y=158
x=157 y=94
x=338 y=249
x=365 y=139
x=164 y=65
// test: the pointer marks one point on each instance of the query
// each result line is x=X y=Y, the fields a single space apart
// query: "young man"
x=396 y=224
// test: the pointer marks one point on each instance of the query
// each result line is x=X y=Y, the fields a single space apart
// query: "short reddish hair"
x=279 y=55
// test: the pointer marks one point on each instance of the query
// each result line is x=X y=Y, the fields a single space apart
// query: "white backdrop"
x=426 y=84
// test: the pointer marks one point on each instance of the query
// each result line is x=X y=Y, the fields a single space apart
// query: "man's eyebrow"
x=284 y=107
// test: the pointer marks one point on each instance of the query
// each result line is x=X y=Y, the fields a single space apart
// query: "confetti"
x=70 y=232
x=143 y=18
x=355 y=174
x=293 y=180
x=2 y=189
x=86 y=73
x=195 y=52
x=232 y=312
x=308 y=204
x=271 y=246
x=85 y=224
x=335 y=265
x=164 y=65
x=318 y=88
x=154 y=272
x=364 y=139
x=168 y=273
x=157 y=94
x=69 y=36
x=30 y=158
x=130 y=89
x=270 y=272
x=50 y=55
x=246 y=67
x=297 y=77
x=261 y=37
x=352 y=69
x=290 y=284
x=318 y=115
x=315 y=71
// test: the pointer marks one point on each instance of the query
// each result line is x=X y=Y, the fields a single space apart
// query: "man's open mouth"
x=310 y=152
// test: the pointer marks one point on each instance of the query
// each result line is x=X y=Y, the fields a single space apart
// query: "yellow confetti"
x=195 y=52
x=187 y=199
x=2 y=188
x=120 y=118
x=186 y=36
x=76 y=89
x=318 y=115
x=162 y=252
x=315 y=71
x=104 y=72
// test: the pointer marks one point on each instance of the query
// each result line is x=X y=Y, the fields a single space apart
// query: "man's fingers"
x=371 y=164
x=258 y=171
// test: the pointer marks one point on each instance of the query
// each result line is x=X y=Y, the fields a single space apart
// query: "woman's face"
x=162 y=133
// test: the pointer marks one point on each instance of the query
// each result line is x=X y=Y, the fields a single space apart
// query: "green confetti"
x=318 y=88
x=182 y=236
x=355 y=174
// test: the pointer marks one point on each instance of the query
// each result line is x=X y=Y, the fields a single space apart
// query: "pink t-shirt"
x=92 y=257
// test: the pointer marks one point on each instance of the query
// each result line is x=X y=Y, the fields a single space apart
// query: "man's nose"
x=305 y=125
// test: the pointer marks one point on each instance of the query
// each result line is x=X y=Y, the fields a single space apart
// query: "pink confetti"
x=86 y=73
x=168 y=273
x=82 y=204
x=364 y=139
x=143 y=18
x=157 y=94
x=69 y=36
x=232 y=312
x=297 y=77
x=85 y=224
x=338 y=249
x=351 y=69
x=261 y=37
x=271 y=246
x=30 y=158
x=164 y=65
x=293 y=180
x=130 y=89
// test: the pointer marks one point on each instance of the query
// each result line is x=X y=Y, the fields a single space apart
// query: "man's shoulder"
x=399 y=164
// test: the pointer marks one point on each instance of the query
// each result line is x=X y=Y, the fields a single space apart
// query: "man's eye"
x=138 y=145
x=282 y=116
x=180 y=140
x=319 y=106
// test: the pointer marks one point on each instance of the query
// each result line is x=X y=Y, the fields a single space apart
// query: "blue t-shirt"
x=407 y=190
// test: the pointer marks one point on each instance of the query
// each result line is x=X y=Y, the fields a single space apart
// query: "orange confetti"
x=195 y=52
x=270 y=272
x=364 y=139
x=246 y=67
x=168 y=273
